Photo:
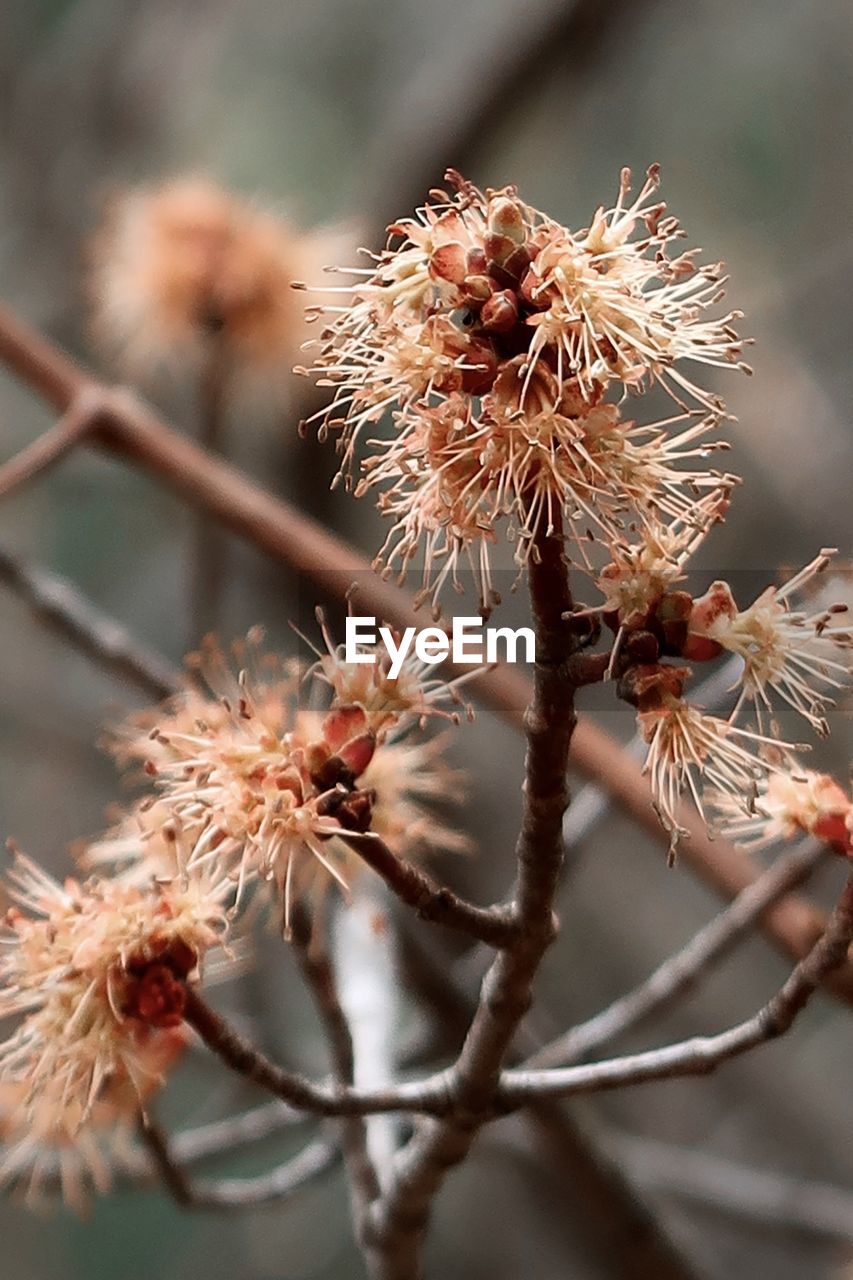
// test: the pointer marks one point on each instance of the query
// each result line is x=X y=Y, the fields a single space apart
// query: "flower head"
x=493 y=335
x=94 y=972
x=261 y=779
x=177 y=266
x=790 y=802
x=689 y=750
x=786 y=651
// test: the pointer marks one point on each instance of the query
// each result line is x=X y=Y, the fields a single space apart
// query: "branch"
x=680 y=971
x=319 y=976
x=79 y=420
x=234 y=1193
x=61 y=607
x=399 y=1218
x=701 y=1054
x=496 y=926
x=274 y=526
x=775 y=1199
x=430 y=1095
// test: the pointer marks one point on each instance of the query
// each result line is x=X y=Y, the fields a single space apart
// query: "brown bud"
x=448 y=263
x=498 y=247
x=500 y=313
x=506 y=219
x=640 y=647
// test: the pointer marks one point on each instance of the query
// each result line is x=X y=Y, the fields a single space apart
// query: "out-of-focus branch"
x=701 y=1054
x=759 y=1195
x=364 y=944
x=134 y=433
x=319 y=975
x=496 y=926
x=682 y=970
x=58 y=604
x=233 y=1193
x=78 y=420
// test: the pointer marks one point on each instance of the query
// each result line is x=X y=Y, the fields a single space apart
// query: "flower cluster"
x=183 y=268
x=264 y=779
x=505 y=348
x=502 y=343
x=94 y=975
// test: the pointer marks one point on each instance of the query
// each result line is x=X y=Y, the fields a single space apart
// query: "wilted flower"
x=784 y=650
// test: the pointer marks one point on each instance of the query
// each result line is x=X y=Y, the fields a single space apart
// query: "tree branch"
x=134 y=433
x=61 y=607
x=430 y=1095
x=701 y=1054
x=319 y=976
x=496 y=926
x=682 y=970
x=399 y=1218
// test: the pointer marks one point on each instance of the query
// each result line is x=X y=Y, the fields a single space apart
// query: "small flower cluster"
x=95 y=975
x=184 y=267
x=496 y=337
x=504 y=347
x=266 y=786
x=252 y=783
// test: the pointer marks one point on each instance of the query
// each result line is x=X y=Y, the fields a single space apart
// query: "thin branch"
x=759 y=1195
x=78 y=421
x=319 y=976
x=679 y=972
x=171 y=1174
x=400 y=1217
x=430 y=1095
x=496 y=926
x=57 y=603
x=701 y=1054
x=294 y=539
x=234 y=1193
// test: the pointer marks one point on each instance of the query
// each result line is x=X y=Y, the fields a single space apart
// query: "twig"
x=680 y=971
x=78 y=421
x=775 y=1199
x=701 y=1054
x=57 y=603
x=319 y=976
x=400 y=1217
x=430 y=1095
x=294 y=539
x=233 y=1193
x=496 y=926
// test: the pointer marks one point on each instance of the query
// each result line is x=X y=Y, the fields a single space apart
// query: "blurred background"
x=342 y=113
